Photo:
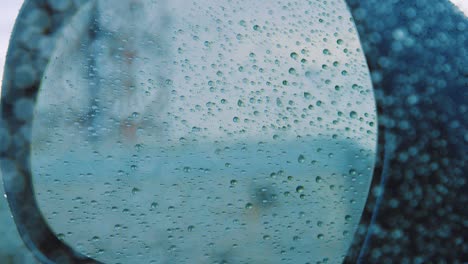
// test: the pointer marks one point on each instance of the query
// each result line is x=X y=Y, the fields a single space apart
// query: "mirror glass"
x=206 y=132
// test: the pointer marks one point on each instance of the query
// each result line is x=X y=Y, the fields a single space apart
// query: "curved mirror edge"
x=25 y=61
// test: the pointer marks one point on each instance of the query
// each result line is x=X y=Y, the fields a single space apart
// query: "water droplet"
x=248 y=206
x=307 y=95
x=320 y=236
x=353 y=114
x=294 y=55
x=138 y=147
x=135 y=190
x=318 y=179
x=190 y=228
x=172 y=248
x=300 y=189
x=301 y=159
x=348 y=218
x=278 y=102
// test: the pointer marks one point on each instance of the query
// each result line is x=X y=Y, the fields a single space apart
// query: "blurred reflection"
x=193 y=131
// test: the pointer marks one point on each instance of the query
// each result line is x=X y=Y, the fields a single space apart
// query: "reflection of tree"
x=125 y=68
x=92 y=71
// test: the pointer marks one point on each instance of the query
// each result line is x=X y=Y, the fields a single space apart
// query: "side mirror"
x=415 y=55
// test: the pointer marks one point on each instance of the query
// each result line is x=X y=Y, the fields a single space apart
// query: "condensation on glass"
x=206 y=131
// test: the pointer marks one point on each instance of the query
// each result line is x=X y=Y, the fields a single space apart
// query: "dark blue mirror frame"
x=416 y=52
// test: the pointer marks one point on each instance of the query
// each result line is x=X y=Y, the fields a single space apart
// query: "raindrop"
x=294 y=55
x=135 y=190
x=301 y=159
x=138 y=147
x=300 y=189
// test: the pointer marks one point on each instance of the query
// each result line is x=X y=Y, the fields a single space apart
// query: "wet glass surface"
x=193 y=131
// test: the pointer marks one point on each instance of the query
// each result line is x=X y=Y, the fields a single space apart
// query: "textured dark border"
x=30 y=45
x=417 y=55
